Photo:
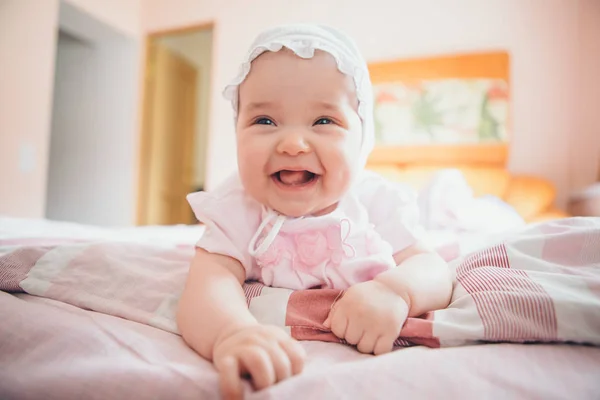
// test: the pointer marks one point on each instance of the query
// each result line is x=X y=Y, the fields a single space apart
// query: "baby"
x=302 y=213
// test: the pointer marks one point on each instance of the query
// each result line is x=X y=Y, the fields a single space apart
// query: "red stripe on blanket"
x=403 y=343
x=306 y=312
x=418 y=331
x=304 y=333
x=252 y=290
x=310 y=308
x=15 y=266
x=495 y=256
x=307 y=333
x=510 y=304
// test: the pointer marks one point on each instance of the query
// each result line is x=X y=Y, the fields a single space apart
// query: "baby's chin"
x=302 y=209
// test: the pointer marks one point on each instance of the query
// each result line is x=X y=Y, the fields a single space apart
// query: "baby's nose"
x=293 y=144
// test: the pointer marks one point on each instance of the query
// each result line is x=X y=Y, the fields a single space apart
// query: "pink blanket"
x=543 y=285
x=52 y=350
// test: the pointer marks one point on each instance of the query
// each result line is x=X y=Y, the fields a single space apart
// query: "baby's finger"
x=281 y=363
x=229 y=379
x=339 y=323
x=366 y=345
x=384 y=344
x=327 y=322
x=257 y=362
x=295 y=353
x=354 y=332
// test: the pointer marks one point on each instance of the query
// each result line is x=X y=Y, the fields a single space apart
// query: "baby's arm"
x=214 y=320
x=203 y=313
x=422 y=278
x=371 y=314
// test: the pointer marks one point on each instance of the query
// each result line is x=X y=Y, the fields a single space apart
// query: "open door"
x=167 y=147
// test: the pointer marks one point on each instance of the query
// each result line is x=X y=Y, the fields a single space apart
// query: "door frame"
x=144 y=109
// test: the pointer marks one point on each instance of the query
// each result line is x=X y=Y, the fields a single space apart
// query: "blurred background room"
x=111 y=110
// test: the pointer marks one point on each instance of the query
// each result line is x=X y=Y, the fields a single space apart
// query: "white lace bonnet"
x=303 y=40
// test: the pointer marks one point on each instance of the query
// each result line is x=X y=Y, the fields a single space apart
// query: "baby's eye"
x=323 y=121
x=264 y=121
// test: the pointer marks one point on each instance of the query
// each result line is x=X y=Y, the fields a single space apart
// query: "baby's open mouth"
x=294 y=178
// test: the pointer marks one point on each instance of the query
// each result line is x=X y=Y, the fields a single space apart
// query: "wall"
x=28 y=30
x=92 y=153
x=27 y=42
x=585 y=151
x=123 y=15
x=541 y=36
x=197 y=49
x=553 y=45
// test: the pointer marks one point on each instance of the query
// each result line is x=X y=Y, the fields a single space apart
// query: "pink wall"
x=542 y=36
x=124 y=15
x=27 y=42
x=586 y=145
x=28 y=30
x=555 y=47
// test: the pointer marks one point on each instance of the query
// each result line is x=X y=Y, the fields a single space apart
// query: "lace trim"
x=305 y=48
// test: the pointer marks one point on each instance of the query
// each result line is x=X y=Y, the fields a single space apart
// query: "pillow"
x=530 y=196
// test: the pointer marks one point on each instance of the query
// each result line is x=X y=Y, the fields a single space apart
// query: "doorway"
x=175 y=124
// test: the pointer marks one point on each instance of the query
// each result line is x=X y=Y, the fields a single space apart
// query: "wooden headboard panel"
x=477 y=65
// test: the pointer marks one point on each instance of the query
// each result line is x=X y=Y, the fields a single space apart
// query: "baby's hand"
x=266 y=353
x=369 y=315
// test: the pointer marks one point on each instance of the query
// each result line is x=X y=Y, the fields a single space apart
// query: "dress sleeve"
x=229 y=220
x=394 y=211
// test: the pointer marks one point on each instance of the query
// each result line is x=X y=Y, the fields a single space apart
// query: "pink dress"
x=375 y=220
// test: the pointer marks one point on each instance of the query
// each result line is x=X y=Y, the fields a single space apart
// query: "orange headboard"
x=483 y=163
x=492 y=65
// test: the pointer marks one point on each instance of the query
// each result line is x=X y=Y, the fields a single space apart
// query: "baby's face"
x=298 y=133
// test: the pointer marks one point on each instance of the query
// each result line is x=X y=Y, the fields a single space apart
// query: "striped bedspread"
x=541 y=285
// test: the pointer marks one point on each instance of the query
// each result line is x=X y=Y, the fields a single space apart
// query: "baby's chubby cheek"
x=336 y=182
x=343 y=165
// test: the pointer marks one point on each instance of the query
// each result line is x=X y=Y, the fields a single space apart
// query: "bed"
x=88 y=312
